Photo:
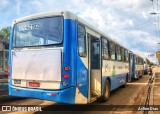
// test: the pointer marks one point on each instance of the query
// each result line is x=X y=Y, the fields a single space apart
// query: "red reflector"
x=9 y=73
x=66 y=68
x=65 y=76
x=53 y=94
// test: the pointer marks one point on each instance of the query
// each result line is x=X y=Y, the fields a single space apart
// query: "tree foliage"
x=151 y=63
x=5 y=33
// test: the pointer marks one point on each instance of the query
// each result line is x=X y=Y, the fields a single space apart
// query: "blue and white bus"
x=146 y=65
x=137 y=66
x=59 y=57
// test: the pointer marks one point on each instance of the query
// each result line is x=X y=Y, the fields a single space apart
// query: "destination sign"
x=34 y=26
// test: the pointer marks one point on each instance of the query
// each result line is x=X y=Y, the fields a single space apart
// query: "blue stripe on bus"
x=69 y=52
x=81 y=71
x=82 y=77
x=9 y=56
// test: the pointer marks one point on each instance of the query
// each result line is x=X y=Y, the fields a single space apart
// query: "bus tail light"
x=65 y=76
x=8 y=73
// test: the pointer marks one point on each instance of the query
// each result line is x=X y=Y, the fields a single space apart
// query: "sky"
x=129 y=22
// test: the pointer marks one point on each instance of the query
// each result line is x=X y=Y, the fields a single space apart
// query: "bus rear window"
x=42 y=31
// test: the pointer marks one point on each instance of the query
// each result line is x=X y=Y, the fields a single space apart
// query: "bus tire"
x=137 y=76
x=126 y=80
x=141 y=74
x=106 y=93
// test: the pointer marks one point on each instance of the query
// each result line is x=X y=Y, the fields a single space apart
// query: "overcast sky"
x=127 y=21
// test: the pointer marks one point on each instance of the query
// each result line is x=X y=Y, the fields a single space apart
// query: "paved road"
x=133 y=94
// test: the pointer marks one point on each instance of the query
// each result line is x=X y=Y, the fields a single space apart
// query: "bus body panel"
x=69 y=53
x=146 y=65
x=133 y=66
x=137 y=67
x=115 y=71
x=34 y=65
x=65 y=96
x=82 y=82
x=69 y=93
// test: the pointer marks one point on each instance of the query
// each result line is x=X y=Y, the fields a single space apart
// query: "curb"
x=151 y=101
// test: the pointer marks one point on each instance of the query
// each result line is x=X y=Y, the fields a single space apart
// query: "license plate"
x=34 y=84
x=17 y=81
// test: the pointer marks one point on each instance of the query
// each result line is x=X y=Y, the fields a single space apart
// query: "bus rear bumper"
x=64 y=96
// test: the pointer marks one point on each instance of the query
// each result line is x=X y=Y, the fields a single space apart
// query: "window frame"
x=118 y=53
x=140 y=60
x=85 y=47
x=110 y=42
x=125 y=50
x=58 y=44
x=122 y=54
x=108 y=50
x=94 y=37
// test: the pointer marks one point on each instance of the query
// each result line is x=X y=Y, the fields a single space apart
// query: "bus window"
x=95 y=53
x=140 y=61
x=81 y=41
x=126 y=55
x=38 y=32
x=105 y=49
x=112 y=51
x=118 y=53
x=122 y=53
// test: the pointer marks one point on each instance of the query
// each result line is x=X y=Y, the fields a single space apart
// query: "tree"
x=5 y=32
x=151 y=63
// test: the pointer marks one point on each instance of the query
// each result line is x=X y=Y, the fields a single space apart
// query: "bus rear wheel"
x=106 y=93
x=126 y=80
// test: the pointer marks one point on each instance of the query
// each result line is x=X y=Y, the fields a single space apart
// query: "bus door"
x=95 y=68
x=130 y=67
x=136 y=67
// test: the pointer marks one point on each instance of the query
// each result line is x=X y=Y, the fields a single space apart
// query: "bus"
x=57 y=56
x=146 y=65
x=137 y=66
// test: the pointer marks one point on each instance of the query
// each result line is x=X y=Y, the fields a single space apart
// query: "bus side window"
x=140 y=61
x=112 y=51
x=105 y=49
x=122 y=54
x=118 y=53
x=81 y=41
x=126 y=55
